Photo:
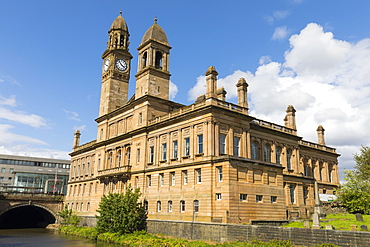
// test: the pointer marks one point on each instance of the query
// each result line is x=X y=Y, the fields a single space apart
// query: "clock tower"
x=116 y=68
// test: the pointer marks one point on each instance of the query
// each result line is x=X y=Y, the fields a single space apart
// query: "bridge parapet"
x=16 y=196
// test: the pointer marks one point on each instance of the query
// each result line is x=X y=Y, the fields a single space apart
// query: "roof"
x=155 y=32
x=119 y=23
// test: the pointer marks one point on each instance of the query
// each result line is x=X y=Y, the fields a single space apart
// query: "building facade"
x=209 y=161
x=33 y=175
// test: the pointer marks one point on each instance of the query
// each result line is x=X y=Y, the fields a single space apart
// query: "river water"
x=41 y=237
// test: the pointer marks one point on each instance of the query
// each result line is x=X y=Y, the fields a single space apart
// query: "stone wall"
x=238 y=232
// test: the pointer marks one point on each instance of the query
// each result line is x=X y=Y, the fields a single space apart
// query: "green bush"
x=121 y=213
x=69 y=217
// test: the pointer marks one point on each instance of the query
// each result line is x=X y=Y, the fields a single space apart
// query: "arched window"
x=119 y=158
x=278 y=155
x=289 y=159
x=121 y=40
x=158 y=60
x=255 y=150
x=267 y=153
x=144 y=59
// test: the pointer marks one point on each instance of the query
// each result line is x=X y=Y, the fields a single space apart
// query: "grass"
x=339 y=221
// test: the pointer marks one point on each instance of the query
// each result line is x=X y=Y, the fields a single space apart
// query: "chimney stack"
x=76 y=141
x=290 y=118
x=320 y=135
x=211 y=82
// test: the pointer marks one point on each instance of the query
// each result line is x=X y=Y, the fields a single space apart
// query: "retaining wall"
x=237 y=232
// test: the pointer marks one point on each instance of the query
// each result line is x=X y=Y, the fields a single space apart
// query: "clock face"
x=106 y=64
x=121 y=64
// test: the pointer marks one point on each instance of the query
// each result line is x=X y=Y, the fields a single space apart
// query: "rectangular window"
x=159 y=206
x=218 y=196
x=161 y=179
x=175 y=147
x=2 y=169
x=164 y=151
x=9 y=178
x=259 y=198
x=273 y=199
x=243 y=197
x=170 y=206
x=198 y=174
x=11 y=170
x=236 y=146
x=140 y=118
x=292 y=193
x=200 y=144
x=185 y=177
x=187 y=146
x=172 y=175
x=149 y=180
x=182 y=206
x=136 y=182
x=196 y=206
x=151 y=154
x=222 y=144
x=219 y=173
x=138 y=155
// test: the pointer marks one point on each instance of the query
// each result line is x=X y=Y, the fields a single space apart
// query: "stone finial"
x=221 y=93
x=242 y=87
x=76 y=141
x=320 y=135
x=211 y=82
x=289 y=119
x=211 y=70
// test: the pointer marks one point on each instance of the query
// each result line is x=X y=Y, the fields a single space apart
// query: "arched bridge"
x=27 y=210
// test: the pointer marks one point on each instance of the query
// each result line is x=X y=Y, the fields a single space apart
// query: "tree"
x=355 y=193
x=121 y=213
x=68 y=217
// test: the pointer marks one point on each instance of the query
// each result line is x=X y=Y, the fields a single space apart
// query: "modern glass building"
x=33 y=175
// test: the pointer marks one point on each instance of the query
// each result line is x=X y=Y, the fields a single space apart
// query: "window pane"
x=222 y=144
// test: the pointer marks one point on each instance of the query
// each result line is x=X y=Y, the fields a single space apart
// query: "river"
x=41 y=237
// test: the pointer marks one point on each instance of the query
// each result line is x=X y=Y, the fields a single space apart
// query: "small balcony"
x=122 y=171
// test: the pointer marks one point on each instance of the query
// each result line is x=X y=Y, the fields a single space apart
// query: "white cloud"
x=32 y=151
x=280 y=33
x=6 y=137
x=276 y=15
x=81 y=128
x=23 y=118
x=8 y=101
x=327 y=81
x=281 y=14
x=72 y=115
x=173 y=90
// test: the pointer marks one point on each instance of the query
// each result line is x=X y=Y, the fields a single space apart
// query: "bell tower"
x=116 y=68
x=153 y=76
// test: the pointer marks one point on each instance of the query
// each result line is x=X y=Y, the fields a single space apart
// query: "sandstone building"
x=209 y=161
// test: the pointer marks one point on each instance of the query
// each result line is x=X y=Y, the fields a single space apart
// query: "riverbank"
x=144 y=239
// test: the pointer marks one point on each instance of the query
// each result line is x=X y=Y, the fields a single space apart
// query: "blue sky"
x=313 y=54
